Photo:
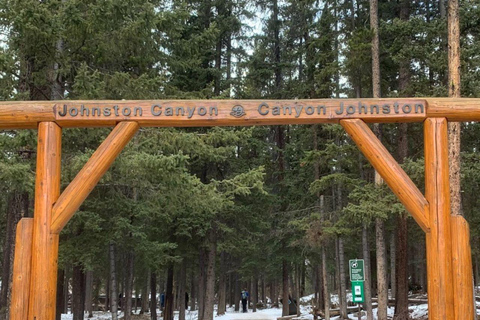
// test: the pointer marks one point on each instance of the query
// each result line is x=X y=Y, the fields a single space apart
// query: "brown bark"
x=153 y=295
x=201 y=283
x=237 y=292
x=285 y=291
x=368 y=273
x=145 y=299
x=168 y=310
x=454 y=128
x=113 y=283
x=193 y=291
x=89 y=293
x=210 y=277
x=326 y=292
x=222 y=286
x=182 y=285
x=129 y=285
x=401 y=296
x=254 y=294
x=375 y=49
x=382 y=287
x=277 y=58
x=60 y=294
x=401 y=261
x=393 y=255
x=343 y=283
x=78 y=293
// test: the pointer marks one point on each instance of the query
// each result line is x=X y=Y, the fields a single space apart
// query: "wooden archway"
x=449 y=266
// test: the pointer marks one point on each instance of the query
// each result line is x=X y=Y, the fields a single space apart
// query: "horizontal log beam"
x=191 y=113
x=79 y=189
x=389 y=169
x=188 y=113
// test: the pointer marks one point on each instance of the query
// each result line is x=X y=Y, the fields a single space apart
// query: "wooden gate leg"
x=43 y=283
x=21 y=270
x=439 y=241
x=462 y=269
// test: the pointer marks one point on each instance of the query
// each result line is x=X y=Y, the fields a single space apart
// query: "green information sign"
x=358 y=295
x=356 y=267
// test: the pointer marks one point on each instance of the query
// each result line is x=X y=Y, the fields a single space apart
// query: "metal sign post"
x=357 y=278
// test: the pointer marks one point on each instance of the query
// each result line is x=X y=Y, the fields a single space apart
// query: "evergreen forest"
x=205 y=213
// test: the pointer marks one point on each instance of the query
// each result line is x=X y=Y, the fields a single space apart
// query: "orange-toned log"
x=462 y=269
x=389 y=169
x=439 y=240
x=79 y=189
x=21 y=270
x=43 y=281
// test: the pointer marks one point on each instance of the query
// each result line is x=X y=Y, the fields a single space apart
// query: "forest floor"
x=418 y=312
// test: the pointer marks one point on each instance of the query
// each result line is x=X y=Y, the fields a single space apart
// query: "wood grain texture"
x=21 y=270
x=439 y=240
x=188 y=113
x=42 y=298
x=462 y=269
x=383 y=162
x=79 y=189
x=28 y=114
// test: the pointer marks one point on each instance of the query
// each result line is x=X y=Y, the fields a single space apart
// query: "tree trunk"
x=368 y=273
x=303 y=276
x=393 y=256
x=401 y=296
x=153 y=295
x=168 y=310
x=222 y=286
x=382 y=287
x=89 y=293
x=343 y=283
x=129 y=285
x=78 y=293
x=375 y=49
x=326 y=292
x=255 y=293
x=113 y=284
x=145 y=299
x=210 y=277
x=237 y=293
x=276 y=31
x=60 y=294
x=201 y=283
x=264 y=295
x=182 y=290
x=454 y=128
x=285 y=293
x=96 y=292
x=297 y=288
x=193 y=292
x=401 y=261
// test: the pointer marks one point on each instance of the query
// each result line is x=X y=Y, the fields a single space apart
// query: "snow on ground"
x=416 y=312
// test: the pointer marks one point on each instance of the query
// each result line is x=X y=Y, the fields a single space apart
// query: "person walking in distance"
x=244 y=300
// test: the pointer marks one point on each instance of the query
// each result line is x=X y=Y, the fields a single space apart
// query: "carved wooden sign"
x=231 y=112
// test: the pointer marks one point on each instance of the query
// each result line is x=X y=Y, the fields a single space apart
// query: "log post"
x=43 y=281
x=21 y=270
x=462 y=269
x=439 y=240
